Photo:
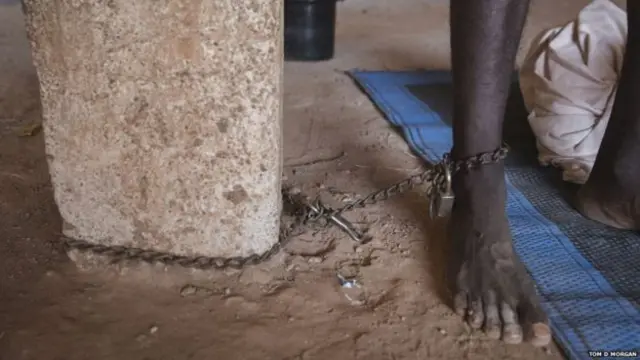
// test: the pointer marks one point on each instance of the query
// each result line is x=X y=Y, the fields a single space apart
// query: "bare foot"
x=493 y=289
x=608 y=207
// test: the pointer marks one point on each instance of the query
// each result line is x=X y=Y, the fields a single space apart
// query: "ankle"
x=479 y=188
x=478 y=180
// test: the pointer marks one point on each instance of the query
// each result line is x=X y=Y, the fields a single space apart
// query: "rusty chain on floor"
x=300 y=214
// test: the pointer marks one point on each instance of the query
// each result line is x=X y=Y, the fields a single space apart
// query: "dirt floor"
x=292 y=307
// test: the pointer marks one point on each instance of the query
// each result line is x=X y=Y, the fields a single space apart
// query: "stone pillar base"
x=162 y=121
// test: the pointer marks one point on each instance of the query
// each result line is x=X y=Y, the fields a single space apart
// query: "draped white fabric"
x=568 y=81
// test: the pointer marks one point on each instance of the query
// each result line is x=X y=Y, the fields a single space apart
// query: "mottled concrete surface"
x=162 y=120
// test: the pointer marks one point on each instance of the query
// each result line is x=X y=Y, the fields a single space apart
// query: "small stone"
x=365 y=261
x=314 y=260
x=359 y=250
x=227 y=291
x=442 y=331
x=188 y=290
x=153 y=330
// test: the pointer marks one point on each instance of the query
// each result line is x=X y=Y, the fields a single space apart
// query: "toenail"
x=541 y=335
x=541 y=330
x=512 y=334
x=494 y=333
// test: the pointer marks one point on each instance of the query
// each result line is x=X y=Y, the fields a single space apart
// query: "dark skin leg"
x=492 y=287
x=612 y=193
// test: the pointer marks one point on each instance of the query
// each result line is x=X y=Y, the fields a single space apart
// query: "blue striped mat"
x=587 y=274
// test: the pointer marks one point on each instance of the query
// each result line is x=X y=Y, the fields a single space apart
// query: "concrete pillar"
x=162 y=120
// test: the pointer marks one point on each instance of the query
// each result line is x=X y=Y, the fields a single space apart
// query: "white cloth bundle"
x=568 y=81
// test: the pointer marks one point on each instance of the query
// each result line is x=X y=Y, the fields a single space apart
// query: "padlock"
x=441 y=202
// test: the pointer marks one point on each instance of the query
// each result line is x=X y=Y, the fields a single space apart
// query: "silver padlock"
x=442 y=200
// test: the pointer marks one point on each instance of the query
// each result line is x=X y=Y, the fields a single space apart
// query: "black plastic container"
x=309 y=29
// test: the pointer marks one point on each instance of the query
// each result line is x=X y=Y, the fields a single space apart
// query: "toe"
x=492 y=326
x=540 y=334
x=476 y=314
x=460 y=303
x=534 y=318
x=538 y=331
x=512 y=331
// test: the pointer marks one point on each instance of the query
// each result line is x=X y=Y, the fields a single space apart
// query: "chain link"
x=298 y=214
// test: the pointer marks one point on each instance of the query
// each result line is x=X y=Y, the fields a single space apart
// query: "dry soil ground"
x=293 y=306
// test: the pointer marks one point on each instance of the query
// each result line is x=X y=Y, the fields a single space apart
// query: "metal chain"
x=298 y=214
